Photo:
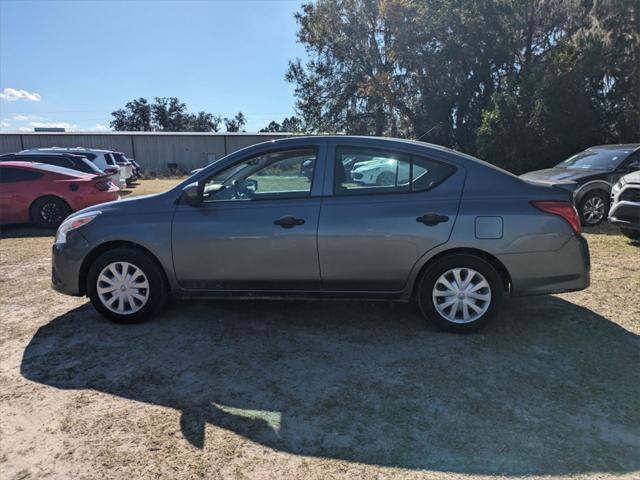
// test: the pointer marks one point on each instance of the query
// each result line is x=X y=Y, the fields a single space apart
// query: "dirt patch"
x=318 y=390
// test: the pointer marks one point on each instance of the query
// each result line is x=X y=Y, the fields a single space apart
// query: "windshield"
x=596 y=159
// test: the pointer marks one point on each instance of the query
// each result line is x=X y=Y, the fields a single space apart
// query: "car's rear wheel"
x=126 y=285
x=460 y=293
x=49 y=212
x=593 y=208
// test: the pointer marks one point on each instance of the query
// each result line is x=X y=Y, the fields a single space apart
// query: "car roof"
x=618 y=146
x=31 y=153
x=66 y=150
x=45 y=168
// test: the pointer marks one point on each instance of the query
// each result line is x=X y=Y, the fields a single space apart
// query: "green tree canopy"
x=236 y=123
x=520 y=82
x=166 y=114
x=289 y=124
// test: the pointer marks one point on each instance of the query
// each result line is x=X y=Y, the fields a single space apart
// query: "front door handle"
x=431 y=219
x=288 y=221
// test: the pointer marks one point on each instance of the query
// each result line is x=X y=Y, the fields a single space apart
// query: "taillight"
x=565 y=210
x=103 y=186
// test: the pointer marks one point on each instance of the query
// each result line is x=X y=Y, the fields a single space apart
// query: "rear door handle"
x=288 y=221
x=431 y=219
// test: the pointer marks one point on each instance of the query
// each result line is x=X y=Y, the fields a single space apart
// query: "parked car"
x=46 y=194
x=66 y=160
x=126 y=167
x=594 y=171
x=101 y=158
x=456 y=236
x=123 y=161
x=625 y=205
x=137 y=168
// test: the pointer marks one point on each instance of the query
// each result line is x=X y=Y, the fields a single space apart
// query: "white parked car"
x=103 y=159
x=383 y=172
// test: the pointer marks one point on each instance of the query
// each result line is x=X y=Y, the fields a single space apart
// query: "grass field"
x=318 y=390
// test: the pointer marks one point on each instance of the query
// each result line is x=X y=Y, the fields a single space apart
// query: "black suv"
x=595 y=171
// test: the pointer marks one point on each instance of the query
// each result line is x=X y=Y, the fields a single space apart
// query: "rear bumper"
x=562 y=270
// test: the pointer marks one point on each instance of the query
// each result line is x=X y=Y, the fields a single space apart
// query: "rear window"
x=109 y=158
x=13 y=175
x=53 y=160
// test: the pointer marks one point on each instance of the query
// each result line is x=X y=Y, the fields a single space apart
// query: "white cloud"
x=13 y=94
x=4 y=124
x=21 y=118
x=67 y=126
x=100 y=127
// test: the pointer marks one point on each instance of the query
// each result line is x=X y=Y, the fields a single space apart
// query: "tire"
x=134 y=309
x=631 y=234
x=49 y=212
x=386 y=179
x=453 y=321
x=593 y=208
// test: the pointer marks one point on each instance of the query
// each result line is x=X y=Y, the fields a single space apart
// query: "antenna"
x=427 y=132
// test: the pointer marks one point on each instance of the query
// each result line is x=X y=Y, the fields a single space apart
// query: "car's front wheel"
x=460 y=293
x=126 y=285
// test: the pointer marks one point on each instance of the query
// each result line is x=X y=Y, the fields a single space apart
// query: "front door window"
x=275 y=175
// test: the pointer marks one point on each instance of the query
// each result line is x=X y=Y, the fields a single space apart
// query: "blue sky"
x=74 y=62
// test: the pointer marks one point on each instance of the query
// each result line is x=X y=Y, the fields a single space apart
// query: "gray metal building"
x=157 y=152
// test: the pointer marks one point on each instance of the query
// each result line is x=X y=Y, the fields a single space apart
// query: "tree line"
x=520 y=83
x=168 y=114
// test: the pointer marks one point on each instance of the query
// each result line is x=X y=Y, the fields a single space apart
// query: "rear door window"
x=362 y=171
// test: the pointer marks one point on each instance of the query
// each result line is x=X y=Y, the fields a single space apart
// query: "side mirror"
x=192 y=194
x=634 y=166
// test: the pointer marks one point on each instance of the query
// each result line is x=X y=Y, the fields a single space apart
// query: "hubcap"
x=51 y=213
x=593 y=210
x=461 y=295
x=123 y=288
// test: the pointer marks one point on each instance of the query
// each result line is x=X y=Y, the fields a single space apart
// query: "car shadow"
x=605 y=228
x=548 y=388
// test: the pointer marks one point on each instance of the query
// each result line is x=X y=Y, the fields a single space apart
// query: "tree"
x=204 y=122
x=170 y=115
x=236 y=123
x=519 y=82
x=289 y=124
x=136 y=116
x=166 y=114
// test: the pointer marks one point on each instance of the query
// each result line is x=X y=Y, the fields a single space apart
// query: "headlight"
x=618 y=186
x=72 y=223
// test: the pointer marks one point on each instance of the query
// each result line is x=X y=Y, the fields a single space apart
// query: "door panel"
x=370 y=242
x=236 y=245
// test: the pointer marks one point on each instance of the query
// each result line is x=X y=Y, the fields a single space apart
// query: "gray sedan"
x=330 y=217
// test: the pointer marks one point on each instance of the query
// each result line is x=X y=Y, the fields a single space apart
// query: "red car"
x=46 y=194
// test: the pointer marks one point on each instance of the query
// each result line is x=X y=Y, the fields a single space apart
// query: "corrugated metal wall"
x=154 y=151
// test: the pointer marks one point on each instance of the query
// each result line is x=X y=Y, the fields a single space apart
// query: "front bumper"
x=66 y=264
x=625 y=213
x=563 y=270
